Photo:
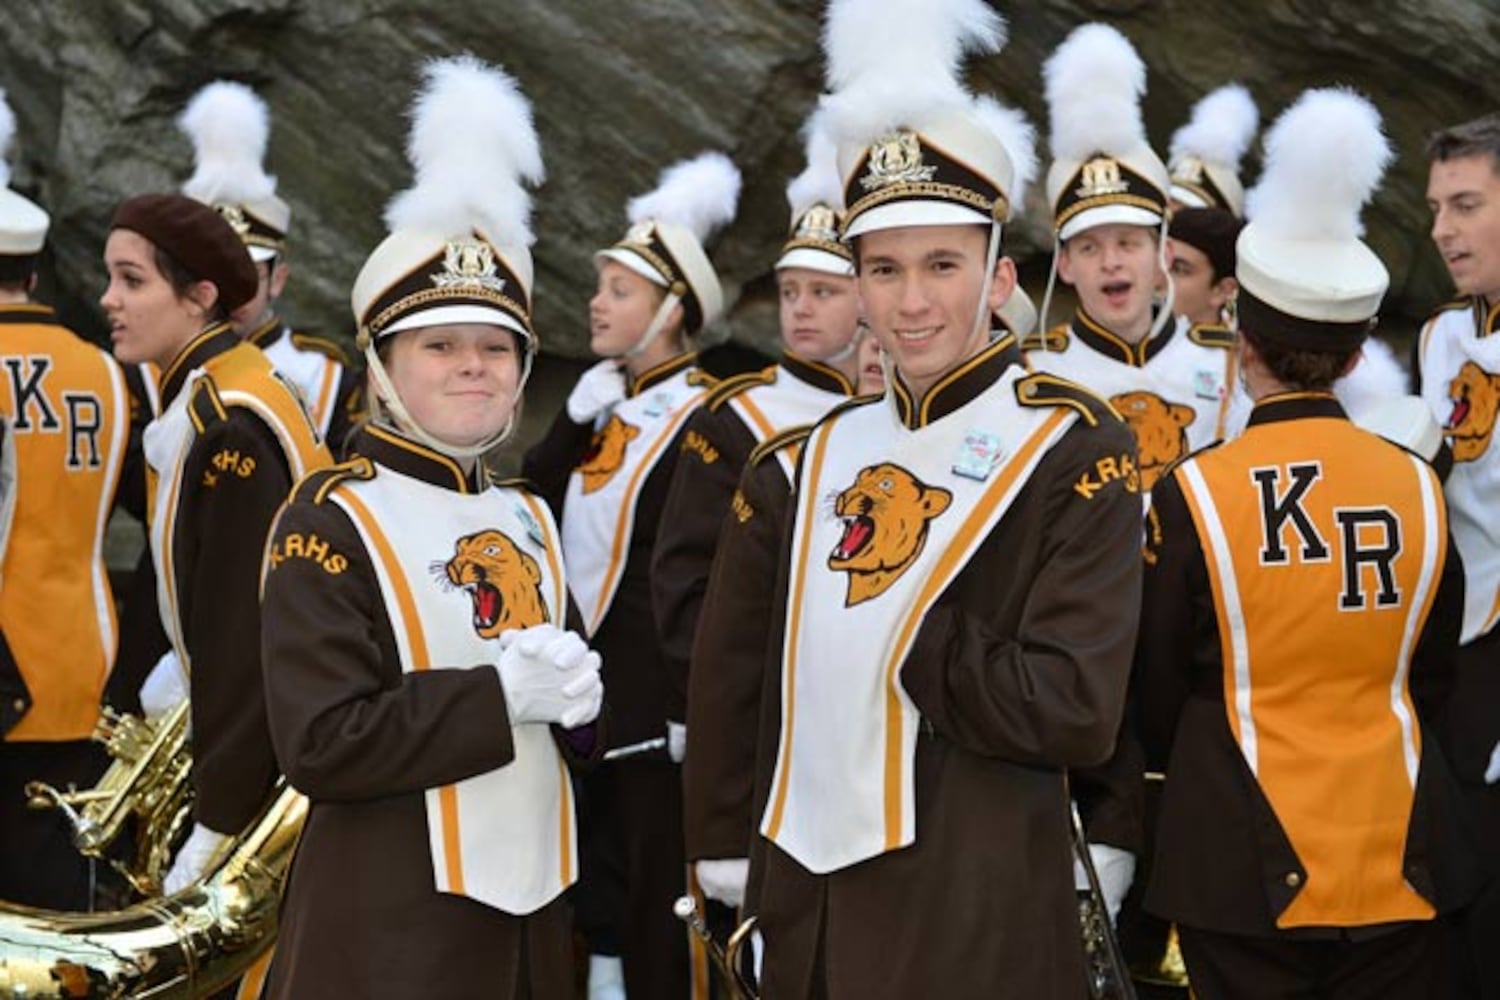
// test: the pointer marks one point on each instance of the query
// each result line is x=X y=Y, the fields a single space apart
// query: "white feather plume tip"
x=1221 y=128
x=7 y=136
x=1094 y=84
x=472 y=144
x=698 y=194
x=1325 y=156
x=819 y=181
x=228 y=125
x=897 y=62
x=1018 y=137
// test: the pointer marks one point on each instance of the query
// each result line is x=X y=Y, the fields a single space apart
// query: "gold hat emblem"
x=1188 y=169
x=235 y=216
x=818 y=223
x=469 y=264
x=896 y=159
x=1101 y=176
x=640 y=233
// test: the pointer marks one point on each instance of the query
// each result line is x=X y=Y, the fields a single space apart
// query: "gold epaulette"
x=1054 y=340
x=736 y=384
x=320 y=345
x=1464 y=303
x=1211 y=335
x=205 y=408
x=1042 y=389
x=700 y=378
x=778 y=441
x=316 y=485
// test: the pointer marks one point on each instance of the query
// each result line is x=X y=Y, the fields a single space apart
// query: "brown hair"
x=1298 y=368
x=1480 y=137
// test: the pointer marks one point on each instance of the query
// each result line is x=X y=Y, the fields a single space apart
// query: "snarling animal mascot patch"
x=885 y=515
x=503 y=582
x=1160 y=431
x=606 y=453
x=1471 y=422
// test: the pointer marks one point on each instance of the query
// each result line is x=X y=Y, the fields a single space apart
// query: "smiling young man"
x=1457 y=367
x=954 y=614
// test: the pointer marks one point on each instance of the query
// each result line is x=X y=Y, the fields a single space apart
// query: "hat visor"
x=261 y=254
x=909 y=213
x=452 y=315
x=816 y=260
x=1104 y=215
x=634 y=261
x=1189 y=198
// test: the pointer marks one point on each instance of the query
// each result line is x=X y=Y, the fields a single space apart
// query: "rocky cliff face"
x=621 y=89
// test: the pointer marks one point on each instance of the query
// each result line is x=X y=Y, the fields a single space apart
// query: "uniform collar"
x=817 y=374
x=209 y=344
x=1296 y=406
x=1486 y=317
x=957 y=387
x=653 y=376
x=1093 y=333
x=267 y=333
x=401 y=454
x=27 y=312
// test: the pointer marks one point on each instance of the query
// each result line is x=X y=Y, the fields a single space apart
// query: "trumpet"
x=1107 y=976
x=147 y=779
x=726 y=959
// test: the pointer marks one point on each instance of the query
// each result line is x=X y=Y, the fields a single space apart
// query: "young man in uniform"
x=1457 y=369
x=1203 y=284
x=66 y=418
x=955 y=616
x=229 y=125
x=1296 y=645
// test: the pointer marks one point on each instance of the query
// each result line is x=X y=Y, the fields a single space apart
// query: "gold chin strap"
x=387 y=397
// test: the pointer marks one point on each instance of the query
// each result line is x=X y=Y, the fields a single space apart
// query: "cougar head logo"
x=1160 y=431
x=503 y=582
x=885 y=515
x=606 y=453
x=1476 y=399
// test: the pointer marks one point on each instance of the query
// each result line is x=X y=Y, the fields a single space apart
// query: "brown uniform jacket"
x=1223 y=862
x=349 y=396
x=363 y=740
x=1019 y=672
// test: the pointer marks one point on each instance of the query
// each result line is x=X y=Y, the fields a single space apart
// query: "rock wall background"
x=623 y=88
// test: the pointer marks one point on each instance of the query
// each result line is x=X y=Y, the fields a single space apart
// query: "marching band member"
x=64 y=415
x=1205 y=154
x=425 y=683
x=605 y=466
x=1203 y=284
x=955 y=618
x=1457 y=367
x=1302 y=603
x=229 y=444
x=228 y=125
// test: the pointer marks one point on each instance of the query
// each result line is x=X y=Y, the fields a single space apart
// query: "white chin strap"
x=1047 y=297
x=1164 y=311
x=389 y=400
x=983 y=320
x=841 y=355
x=658 y=323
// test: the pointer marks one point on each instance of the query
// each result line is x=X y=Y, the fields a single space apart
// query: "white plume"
x=699 y=194
x=229 y=126
x=1221 y=128
x=7 y=136
x=472 y=143
x=897 y=62
x=1325 y=157
x=1095 y=81
x=1018 y=137
x=1377 y=379
x=819 y=181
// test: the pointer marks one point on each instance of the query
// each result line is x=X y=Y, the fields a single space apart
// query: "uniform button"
x=19 y=705
x=1029 y=390
x=1293 y=880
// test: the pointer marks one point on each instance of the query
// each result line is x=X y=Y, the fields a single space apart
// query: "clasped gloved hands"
x=549 y=676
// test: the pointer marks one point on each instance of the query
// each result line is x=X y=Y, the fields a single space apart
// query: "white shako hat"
x=1306 y=279
x=668 y=227
x=912 y=151
x=1103 y=169
x=817 y=201
x=229 y=127
x=458 y=249
x=1205 y=155
x=23 y=223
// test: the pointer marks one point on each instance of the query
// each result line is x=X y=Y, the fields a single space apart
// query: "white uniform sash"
x=505 y=838
x=1461 y=385
x=314 y=375
x=843 y=790
x=769 y=409
x=599 y=511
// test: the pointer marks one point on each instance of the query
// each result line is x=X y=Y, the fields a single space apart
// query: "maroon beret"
x=196 y=237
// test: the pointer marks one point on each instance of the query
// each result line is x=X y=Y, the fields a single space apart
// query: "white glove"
x=549 y=675
x=1116 y=870
x=192 y=861
x=606 y=978
x=723 y=879
x=676 y=741
x=598 y=389
x=1492 y=773
x=165 y=688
